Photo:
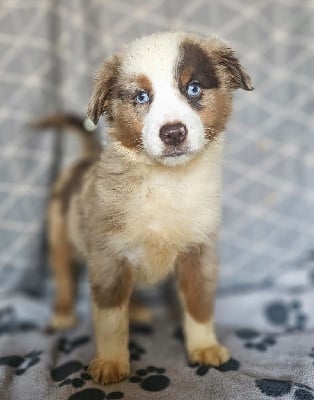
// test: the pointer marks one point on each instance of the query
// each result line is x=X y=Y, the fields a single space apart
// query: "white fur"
x=169 y=107
x=111 y=324
x=156 y=57
x=178 y=207
x=199 y=335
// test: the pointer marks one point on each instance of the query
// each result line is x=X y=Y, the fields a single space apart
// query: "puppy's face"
x=168 y=95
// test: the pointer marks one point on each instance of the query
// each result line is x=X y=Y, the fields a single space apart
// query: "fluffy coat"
x=148 y=204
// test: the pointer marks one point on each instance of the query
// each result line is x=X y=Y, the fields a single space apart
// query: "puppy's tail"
x=83 y=127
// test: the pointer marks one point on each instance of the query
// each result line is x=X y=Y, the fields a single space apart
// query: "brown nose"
x=173 y=134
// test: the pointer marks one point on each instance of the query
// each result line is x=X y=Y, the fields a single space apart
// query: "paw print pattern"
x=21 y=363
x=151 y=379
x=77 y=382
x=29 y=361
x=287 y=315
x=136 y=351
x=255 y=340
x=67 y=345
x=278 y=388
x=141 y=329
x=74 y=374
x=230 y=365
x=115 y=395
x=87 y=394
x=95 y=394
x=63 y=372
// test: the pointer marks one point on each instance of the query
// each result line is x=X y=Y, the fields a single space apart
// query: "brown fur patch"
x=124 y=114
x=72 y=184
x=236 y=76
x=128 y=116
x=144 y=83
x=128 y=125
x=62 y=262
x=115 y=294
x=218 y=71
x=195 y=65
x=197 y=288
x=199 y=63
x=105 y=82
x=185 y=77
x=215 y=110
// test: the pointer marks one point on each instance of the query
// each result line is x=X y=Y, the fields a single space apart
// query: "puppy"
x=148 y=204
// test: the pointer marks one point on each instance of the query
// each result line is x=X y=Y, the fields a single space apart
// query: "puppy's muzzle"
x=173 y=134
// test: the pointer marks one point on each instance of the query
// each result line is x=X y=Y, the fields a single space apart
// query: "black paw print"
x=136 y=351
x=277 y=388
x=141 y=328
x=95 y=394
x=287 y=315
x=230 y=365
x=67 y=345
x=63 y=372
x=21 y=363
x=151 y=379
x=255 y=340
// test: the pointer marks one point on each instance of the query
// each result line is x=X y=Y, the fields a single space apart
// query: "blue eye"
x=193 y=89
x=142 y=97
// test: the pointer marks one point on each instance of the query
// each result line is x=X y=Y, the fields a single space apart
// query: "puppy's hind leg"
x=65 y=282
x=64 y=271
x=139 y=313
x=196 y=272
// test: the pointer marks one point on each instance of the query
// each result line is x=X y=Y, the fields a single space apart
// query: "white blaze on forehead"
x=156 y=57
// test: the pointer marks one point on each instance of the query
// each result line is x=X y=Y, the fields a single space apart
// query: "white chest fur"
x=172 y=209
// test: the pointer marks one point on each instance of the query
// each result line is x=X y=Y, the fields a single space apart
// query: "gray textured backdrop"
x=49 y=51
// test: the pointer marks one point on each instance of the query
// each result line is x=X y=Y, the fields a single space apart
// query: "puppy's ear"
x=105 y=81
x=235 y=75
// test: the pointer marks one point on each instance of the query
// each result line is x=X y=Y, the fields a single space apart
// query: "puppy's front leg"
x=197 y=274
x=110 y=301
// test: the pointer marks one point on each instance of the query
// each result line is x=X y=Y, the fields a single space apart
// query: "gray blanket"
x=269 y=332
x=49 y=51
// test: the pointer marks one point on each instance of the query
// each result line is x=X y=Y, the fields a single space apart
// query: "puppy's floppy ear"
x=236 y=76
x=105 y=81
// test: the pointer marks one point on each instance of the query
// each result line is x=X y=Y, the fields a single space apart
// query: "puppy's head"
x=168 y=95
